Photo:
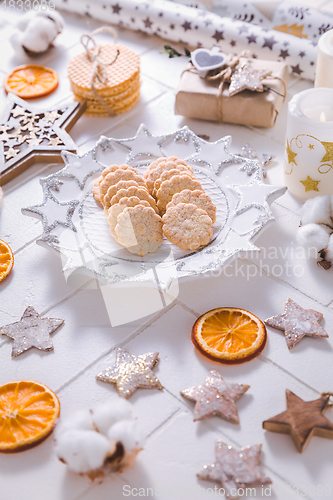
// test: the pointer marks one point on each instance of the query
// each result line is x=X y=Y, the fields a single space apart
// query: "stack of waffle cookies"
x=122 y=87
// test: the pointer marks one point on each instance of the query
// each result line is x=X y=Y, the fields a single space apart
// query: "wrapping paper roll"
x=297 y=20
x=199 y=28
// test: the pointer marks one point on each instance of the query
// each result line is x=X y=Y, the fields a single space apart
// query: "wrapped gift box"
x=201 y=98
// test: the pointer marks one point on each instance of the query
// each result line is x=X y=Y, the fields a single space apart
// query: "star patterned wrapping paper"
x=201 y=28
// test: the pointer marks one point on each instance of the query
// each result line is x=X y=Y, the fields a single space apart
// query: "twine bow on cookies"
x=98 y=65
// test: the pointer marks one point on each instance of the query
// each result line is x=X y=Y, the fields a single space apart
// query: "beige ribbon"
x=225 y=75
x=98 y=66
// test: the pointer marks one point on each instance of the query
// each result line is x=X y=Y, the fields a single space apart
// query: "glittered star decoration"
x=310 y=184
x=142 y=144
x=53 y=212
x=297 y=323
x=255 y=194
x=291 y=155
x=29 y=135
x=215 y=397
x=235 y=469
x=80 y=168
x=131 y=372
x=246 y=77
x=263 y=158
x=31 y=331
x=214 y=154
x=302 y=420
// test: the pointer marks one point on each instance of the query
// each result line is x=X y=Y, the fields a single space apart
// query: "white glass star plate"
x=76 y=226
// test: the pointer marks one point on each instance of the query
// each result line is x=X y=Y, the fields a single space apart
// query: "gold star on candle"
x=328 y=156
x=249 y=78
x=291 y=154
x=310 y=184
x=310 y=146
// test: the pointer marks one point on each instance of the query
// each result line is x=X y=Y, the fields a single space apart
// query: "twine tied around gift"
x=98 y=65
x=224 y=75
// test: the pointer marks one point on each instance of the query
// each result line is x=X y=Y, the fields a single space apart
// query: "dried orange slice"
x=229 y=335
x=6 y=259
x=28 y=412
x=31 y=81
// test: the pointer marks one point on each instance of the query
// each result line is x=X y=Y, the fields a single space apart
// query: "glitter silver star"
x=53 y=212
x=297 y=323
x=263 y=158
x=80 y=167
x=214 y=154
x=246 y=77
x=215 y=397
x=255 y=194
x=235 y=469
x=131 y=372
x=31 y=331
x=142 y=144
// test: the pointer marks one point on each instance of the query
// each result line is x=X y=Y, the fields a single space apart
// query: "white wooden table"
x=176 y=447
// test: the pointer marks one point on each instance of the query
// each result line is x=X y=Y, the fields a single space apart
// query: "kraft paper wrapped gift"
x=201 y=98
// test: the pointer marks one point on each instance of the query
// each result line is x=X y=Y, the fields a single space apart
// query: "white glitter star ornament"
x=31 y=331
x=297 y=323
x=215 y=397
x=31 y=135
x=246 y=77
x=131 y=372
x=235 y=469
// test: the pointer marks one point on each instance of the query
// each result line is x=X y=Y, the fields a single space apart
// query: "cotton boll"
x=107 y=414
x=83 y=451
x=329 y=250
x=317 y=211
x=36 y=31
x=80 y=420
x=313 y=236
x=127 y=433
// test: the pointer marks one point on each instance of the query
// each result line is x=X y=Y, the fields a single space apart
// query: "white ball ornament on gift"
x=36 y=31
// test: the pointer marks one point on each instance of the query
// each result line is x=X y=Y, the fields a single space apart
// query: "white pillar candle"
x=324 y=67
x=308 y=160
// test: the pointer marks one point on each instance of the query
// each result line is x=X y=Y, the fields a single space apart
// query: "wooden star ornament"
x=297 y=323
x=131 y=372
x=215 y=397
x=302 y=420
x=31 y=331
x=29 y=135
